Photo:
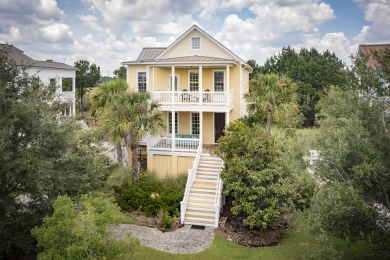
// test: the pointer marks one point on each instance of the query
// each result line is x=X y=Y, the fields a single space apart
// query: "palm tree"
x=101 y=96
x=132 y=115
x=274 y=95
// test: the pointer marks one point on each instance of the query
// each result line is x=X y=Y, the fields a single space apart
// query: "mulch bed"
x=143 y=220
x=236 y=232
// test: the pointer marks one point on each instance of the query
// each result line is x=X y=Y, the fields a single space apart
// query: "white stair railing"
x=218 y=200
x=190 y=180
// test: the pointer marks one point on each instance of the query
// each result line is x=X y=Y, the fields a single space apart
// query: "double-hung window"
x=195 y=123
x=194 y=81
x=195 y=43
x=170 y=122
x=141 y=81
x=219 y=80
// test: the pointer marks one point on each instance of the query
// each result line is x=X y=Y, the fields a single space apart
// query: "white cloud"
x=56 y=32
x=378 y=13
x=91 y=21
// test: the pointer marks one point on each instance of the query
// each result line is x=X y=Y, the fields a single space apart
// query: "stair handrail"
x=218 y=198
x=190 y=180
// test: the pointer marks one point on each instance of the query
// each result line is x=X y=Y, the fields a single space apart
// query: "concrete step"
x=199 y=220
x=202 y=195
x=204 y=185
x=200 y=206
x=208 y=169
x=207 y=177
x=209 y=172
x=202 y=190
x=200 y=214
x=199 y=224
x=201 y=180
x=206 y=211
x=199 y=209
x=194 y=199
x=209 y=165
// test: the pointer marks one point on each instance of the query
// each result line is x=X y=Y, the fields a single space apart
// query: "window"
x=141 y=81
x=195 y=43
x=194 y=81
x=170 y=83
x=219 y=80
x=170 y=123
x=52 y=84
x=195 y=123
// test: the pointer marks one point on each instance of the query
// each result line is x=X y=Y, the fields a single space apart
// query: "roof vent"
x=49 y=60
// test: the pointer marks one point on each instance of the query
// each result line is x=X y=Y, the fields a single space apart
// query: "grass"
x=292 y=247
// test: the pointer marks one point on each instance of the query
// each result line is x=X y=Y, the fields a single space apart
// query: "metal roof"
x=149 y=53
x=22 y=59
x=368 y=49
x=193 y=58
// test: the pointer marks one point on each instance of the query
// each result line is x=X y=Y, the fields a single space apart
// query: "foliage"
x=254 y=175
x=87 y=75
x=165 y=221
x=313 y=71
x=152 y=195
x=121 y=176
x=354 y=142
x=120 y=73
x=81 y=231
x=127 y=117
x=274 y=97
x=255 y=67
x=42 y=156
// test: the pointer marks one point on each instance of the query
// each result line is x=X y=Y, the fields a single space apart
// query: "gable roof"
x=22 y=59
x=368 y=49
x=195 y=27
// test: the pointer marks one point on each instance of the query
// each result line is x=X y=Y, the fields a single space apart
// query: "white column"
x=227 y=118
x=227 y=84
x=173 y=84
x=173 y=131
x=201 y=126
x=74 y=95
x=200 y=84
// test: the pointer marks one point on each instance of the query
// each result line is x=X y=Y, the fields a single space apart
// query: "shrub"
x=165 y=221
x=152 y=195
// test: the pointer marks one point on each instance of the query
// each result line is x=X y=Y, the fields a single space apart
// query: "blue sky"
x=108 y=32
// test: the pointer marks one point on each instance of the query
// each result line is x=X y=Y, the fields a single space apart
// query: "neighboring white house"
x=48 y=72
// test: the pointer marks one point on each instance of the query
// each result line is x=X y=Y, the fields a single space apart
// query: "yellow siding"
x=245 y=90
x=235 y=85
x=208 y=48
x=132 y=78
x=208 y=128
x=184 y=122
x=167 y=165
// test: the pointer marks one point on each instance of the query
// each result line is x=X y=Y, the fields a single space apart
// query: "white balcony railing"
x=67 y=96
x=170 y=144
x=189 y=97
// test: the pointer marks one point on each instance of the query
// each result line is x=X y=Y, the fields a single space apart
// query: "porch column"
x=228 y=84
x=201 y=127
x=173 y=84
x=173 y=131
x=227 y=118
x=200 y=85
x=74 y=95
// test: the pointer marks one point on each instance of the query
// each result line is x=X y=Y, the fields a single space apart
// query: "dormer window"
x=195 y=43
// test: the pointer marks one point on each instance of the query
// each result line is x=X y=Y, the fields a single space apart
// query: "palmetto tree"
x=101 y=96
x=274 y=95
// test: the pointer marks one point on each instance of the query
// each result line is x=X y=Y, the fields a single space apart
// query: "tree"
x=313 y=71
x=274 y=96
x=255 y=176
x=87 y=75
x=41 y=157
x=132 y=115
x=81 y=231
x=120 y=73
x=99 y=100
x=355 y=168
x=255 y=67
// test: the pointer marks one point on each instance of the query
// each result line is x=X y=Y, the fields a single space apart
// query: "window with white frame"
x=170 y=83
x=141 y=81
x=195 y=123
x=195 y=43
x=170 y=123
x=219 y=80
x=194 y=81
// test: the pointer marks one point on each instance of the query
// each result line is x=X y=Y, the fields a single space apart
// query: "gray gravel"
x=181 y=241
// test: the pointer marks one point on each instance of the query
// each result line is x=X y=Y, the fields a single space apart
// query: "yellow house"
x=200 y=85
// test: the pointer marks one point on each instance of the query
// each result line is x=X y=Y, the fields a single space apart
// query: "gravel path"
x=181 y=241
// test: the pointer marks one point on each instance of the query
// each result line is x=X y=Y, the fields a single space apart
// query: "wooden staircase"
x=201 y=205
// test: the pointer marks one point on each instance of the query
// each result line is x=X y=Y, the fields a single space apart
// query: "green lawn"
x=293 y=247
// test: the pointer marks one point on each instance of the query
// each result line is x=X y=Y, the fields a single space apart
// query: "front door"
x=219 y=125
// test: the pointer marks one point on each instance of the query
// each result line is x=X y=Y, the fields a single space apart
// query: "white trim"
x=189 y=71
x=200 y=43
x=136 y=79
x=183 y=63
x=170 y=81
x=147 y=77
x=241 y=89
x=195 y=27
x=224 y=80
x=178 y=153
x=153 y=77
x=128 y=74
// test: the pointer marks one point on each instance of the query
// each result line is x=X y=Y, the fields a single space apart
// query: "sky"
x=108 y=32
